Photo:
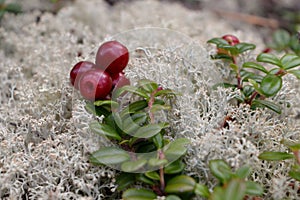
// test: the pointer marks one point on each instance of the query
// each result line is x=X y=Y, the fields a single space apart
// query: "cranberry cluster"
x=96 y=81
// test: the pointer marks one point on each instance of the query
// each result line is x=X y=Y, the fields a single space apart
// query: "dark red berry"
x=119 y=80
x=112 y=57
x=79 y=69
x=231 y=39
x=95 y=84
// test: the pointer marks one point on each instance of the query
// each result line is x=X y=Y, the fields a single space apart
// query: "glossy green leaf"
x=134 y=122
x=217 y=41
x=218 y=194
x=155 y=162
x=104 y=129
x=148 y=85
x=158 y=141
x=109 y=156
x=136 y=106
x=142 y=178
x=201 y=190
x=243 y=172
x=295 y=73
x=106 y=102
x=138 y=194
x=153 y=175
x=221 y=170
x=268 y=58
x=148 y=131
x=243 y=47
x=133 y=166
x=165 y=92
x=255 y=85
x=232 y=49
x=174 y=167
x=275 y=156
x=172 y=197
x=248 y=90
x=290 y=61
x=95 y=110
x=268 y=104
x=124 y=180
x=234 y=67
x=281 y=38
x=246 y=75
x=179 y=184
x=176 y=148
x=235 y=190
x=256 y=66
x=295 y=174
x=270 y=85
x=222 y=56
x=132 y=89
x=254 y=189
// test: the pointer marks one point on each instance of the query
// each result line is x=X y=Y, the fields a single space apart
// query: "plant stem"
x=161 y=171
x=252 y=97
x=297 y=155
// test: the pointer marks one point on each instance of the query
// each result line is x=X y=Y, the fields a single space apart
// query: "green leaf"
x=246 y=75
x=13 y=8
x=217 y=41
x=234 y=67
x=174 y=167
x=155 y=162
x=221 y=170
x=275 y=156
x=109 y=103
x=132 y=89
x=295 y=73
x=158 y=141
x=144 y=179
x=95 y=110
x=148 y=131
x=158 y=107
x=235 y=190
x=104 y=129
x=165 y=92
x=109 y=156
x=232 y=49
x=254 y=189
x=295 y=174
x=147 y=85
x=172 y=197
x=243 y=172
x=132 y=123
x=138 y=194
x=137 y=106
x=218 y=193
x=1 y=13
x=153 y=175
x=281 y=38
x=268 y=104
x=179 y=184
x=256 y=66
x=270 y=85
x=290 y=61
x=133 y=166
x=294 y=147
x=268 y=58
x=242 y=47
x=248 y=90
x=201 y=190
x=222 y=56
x=255 y=85
x=124 y=180
x=176 y=148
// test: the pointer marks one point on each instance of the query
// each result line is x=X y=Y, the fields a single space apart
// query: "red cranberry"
x=79 y=69
x=95 y=84
x=119 y=80
x=112 y=57
x=231 y=39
